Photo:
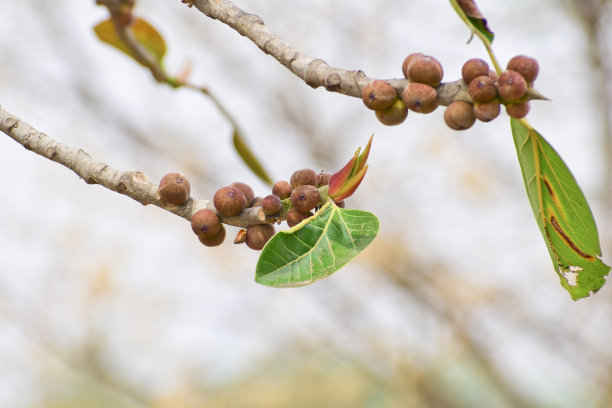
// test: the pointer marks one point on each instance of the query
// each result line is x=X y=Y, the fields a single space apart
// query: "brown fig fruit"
x=378 y=95
x=229 y=201
x=486 y=112
x=426 y=70
x=393 y=115
x=304 y=177
x=512 y=86
x=271 y=204
x=305 y=198
x=205 y=223
x=474 y=68
x=459 y=115
x=282 y=189
x=482 y=89
x=324 y=178
x=249 y=195
x=518 y=110
x=294 y=217
x=216 y=239
x=408 y=60
x=257 y=235
x=526 y=66
x=174 y=189
x=420 y=98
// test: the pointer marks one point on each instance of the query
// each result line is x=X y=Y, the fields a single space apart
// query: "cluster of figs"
x=292 y=201
x=487 y=91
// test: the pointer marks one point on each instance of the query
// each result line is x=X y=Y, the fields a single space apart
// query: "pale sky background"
x=78 y=260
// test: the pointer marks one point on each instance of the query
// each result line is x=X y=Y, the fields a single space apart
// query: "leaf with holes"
x=562 y=213
x=471 y=15
x=315 y=248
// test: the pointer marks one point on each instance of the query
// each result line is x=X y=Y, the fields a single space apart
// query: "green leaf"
x=249 y=158
x=144 y=33
x=562 y=213
x=315 y=248
x=471 y=15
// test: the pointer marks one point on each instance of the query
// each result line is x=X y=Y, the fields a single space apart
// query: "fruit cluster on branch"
x=487 y=91
x=292 y=201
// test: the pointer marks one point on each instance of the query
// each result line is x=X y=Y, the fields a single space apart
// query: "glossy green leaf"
x=315 y=248
x=471 y=15
x=144 y=33
x=562 y=213
x=249 y=158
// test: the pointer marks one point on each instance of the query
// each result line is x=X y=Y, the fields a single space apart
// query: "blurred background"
x=106 y=303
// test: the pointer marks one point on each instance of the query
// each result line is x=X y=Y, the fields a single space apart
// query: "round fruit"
x=249 y=195
x=304 y=177
x=216 y=239
x=518 y=110
x=229 y=201
x=305 y=198
x=393 y=115
x=174 y=189
x=482 y=89
x=205 y=223
x=408 y=60
x=378 y=95
x=257 y=235
x=512 y=85
x=487 y=111
x=324 y=178
x=426 y=70
x=282 y=189
x=474 y=68
x=271 y=204
x=459 y=115
x=294 y=217
x=526 y=66
x=420 y=98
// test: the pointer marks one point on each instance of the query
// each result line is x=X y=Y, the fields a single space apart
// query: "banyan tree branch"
x=314 y=71
x=131 y=183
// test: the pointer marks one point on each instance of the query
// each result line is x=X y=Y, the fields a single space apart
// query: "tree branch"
x=131 y=183
x=314 y=71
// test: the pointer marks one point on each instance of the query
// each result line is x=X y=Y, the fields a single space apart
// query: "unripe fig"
x=493 y=75
x=294 y=217
x=229 y=201
x=257 y=235
x=324 y=178
x=305 y=198
x=271 y=204
x=205 y=223
x=511 y=85
x=420 y=98
x=474 y=68
x=249 y=195
x=487 y=111
x=304 y=177
x=216 y=239
x=526 y=66
x=174 y=189
x=459 y=115
x=482 y=89
x=518 y=110
x=426 y=70
x=282 y=189
x=393 y=115
x=378 y=95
